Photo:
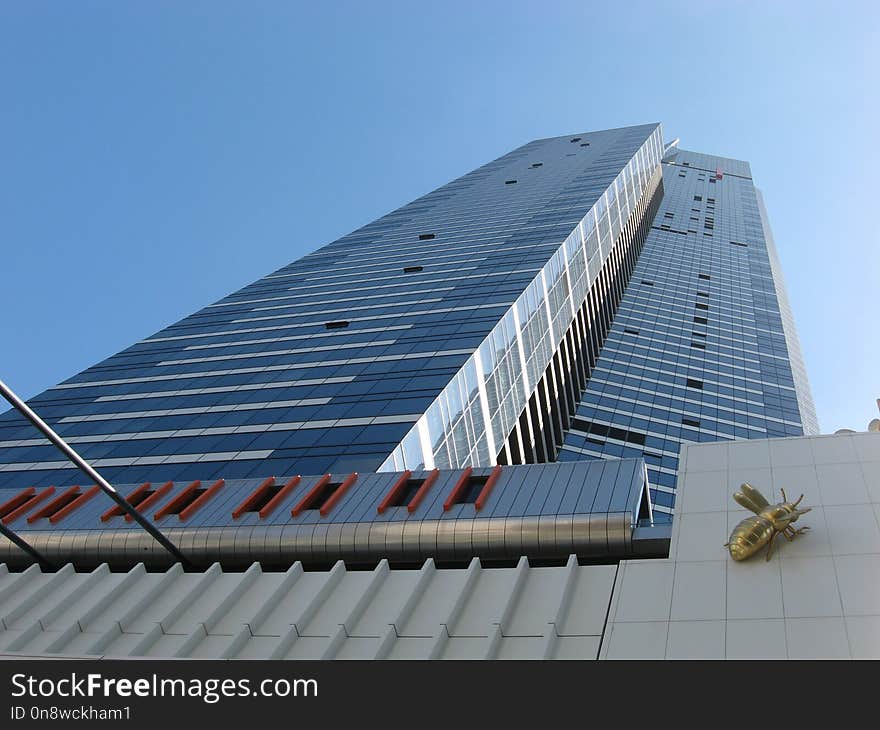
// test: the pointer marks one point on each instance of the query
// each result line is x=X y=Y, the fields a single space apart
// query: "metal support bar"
x=13 y=538
x=93 y=475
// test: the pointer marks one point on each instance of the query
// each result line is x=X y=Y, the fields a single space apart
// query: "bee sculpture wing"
x=751 y=498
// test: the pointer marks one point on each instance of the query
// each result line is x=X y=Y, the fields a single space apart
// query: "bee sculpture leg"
x=791 y=533
x=770 y=545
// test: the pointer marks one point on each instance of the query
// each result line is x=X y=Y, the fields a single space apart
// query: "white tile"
x=707 y=456
x=645 y=592
x=841 y=484
x=698 y=591
x=809 y=588
x=833 y=449
x=858 y=577
x=754 y=589
x=864 y=636
x=701 y=536
x=637 y=640
x=853 y=529
x=816 y=638
x=695 y=640
x=791 y=452
x=756 y=639
x=702 y=491
x=867 y=446
x=749 y=454
x=871 y=474
x=796 y=480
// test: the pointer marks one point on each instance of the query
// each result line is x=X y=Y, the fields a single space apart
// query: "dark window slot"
x=691 y=383
x=472 y=490
x=702 y=294
x=405 y=495
x=510 y=182
x=147 y=501
x=736 y=243
x=182 y=504
x=704 y=276
x=631 y=332
x=134 y=500
x=468 y=489
x=700 y=305
x=537 y=164
x=698 y=345
x=426 y=236
x=17 y=501
x=319 y=498
x=585 y=144
x=56 y=505
x=262 y=499
x=412 y=269
x=139 y=495
x=576 y=139
x=701 y=320
x=698 y=198
x=63 y=501
x=341 y=324
x=690 y=422
x=698 y=334
x=140 y=498
x=647 y=283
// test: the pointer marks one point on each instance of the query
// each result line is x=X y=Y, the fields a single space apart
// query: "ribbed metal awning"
x=542 y=511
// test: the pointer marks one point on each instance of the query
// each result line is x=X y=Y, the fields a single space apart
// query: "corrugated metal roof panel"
x=519 y=612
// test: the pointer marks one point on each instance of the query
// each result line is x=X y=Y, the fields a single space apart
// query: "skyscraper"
x=413 y=340
x=703 y=347
x=468 y=328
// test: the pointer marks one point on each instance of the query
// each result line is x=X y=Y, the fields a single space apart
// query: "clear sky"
x=157 y=156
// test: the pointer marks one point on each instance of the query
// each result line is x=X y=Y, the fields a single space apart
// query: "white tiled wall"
x=817 y=597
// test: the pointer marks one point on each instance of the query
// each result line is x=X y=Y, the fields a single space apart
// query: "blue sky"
x=158 y=155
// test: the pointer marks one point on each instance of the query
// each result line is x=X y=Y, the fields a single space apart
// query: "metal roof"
x=541 y=511
x=518 y=612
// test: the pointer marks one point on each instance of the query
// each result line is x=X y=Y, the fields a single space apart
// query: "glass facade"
x=702 y=347
x=434 y=319
x=580 y=297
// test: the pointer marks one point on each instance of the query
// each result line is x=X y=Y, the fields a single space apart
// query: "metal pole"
x=27 y=547
x=105 y=486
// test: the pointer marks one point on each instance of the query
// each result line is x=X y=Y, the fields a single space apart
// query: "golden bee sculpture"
x=753 y=533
